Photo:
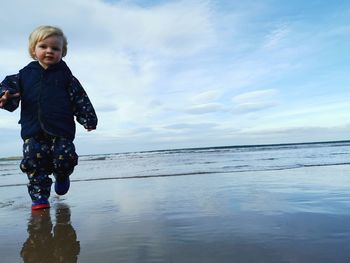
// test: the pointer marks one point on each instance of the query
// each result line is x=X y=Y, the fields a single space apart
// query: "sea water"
x=195 y=161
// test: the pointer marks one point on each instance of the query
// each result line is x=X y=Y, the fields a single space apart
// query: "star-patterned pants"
x=43 y=155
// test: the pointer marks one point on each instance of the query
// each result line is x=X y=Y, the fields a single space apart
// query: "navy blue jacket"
x=50 y=98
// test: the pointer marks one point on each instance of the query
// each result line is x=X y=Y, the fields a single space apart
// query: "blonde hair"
x=43 y=32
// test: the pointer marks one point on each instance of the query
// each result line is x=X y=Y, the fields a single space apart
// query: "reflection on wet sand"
x=46 y=243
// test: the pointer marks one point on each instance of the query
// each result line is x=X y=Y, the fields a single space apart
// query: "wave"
x=220 y=150
x=193 y=173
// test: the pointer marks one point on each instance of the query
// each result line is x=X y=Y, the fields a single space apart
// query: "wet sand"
x=299 y=215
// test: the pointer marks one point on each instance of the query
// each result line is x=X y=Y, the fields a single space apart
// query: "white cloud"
x=296 y=133
x=255 y=96
x=204 y=108
x=9 y=120
x=253 y=106
x=255 y=100
x=171 y=28
x=191 y=126
x=13 y=60
x=206 y=97
x=276 y=37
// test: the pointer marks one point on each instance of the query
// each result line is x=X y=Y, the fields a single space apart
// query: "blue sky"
x=174 y=74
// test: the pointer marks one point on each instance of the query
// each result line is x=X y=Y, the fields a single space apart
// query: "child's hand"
x=6 y=96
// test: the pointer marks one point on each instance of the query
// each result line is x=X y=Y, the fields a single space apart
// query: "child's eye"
x=56 y=48
x=42 y=46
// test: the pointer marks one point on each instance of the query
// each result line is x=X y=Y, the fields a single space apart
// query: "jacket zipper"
x=39 y=100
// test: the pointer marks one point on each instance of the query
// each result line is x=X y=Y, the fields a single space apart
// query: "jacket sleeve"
x=11 y=84
x=82 y=106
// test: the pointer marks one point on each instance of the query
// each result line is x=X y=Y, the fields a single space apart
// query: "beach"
x=272 y=203
x=294 y=215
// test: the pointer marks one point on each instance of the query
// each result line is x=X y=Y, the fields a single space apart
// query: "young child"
x=50 y=98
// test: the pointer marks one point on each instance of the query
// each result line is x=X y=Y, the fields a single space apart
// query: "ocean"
x=195 y=161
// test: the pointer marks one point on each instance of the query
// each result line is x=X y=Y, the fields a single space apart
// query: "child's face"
x=49 y=51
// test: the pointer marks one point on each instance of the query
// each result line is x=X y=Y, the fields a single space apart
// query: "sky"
x=194 y=73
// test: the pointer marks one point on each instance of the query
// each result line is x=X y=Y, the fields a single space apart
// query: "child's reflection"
x=45 y=245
